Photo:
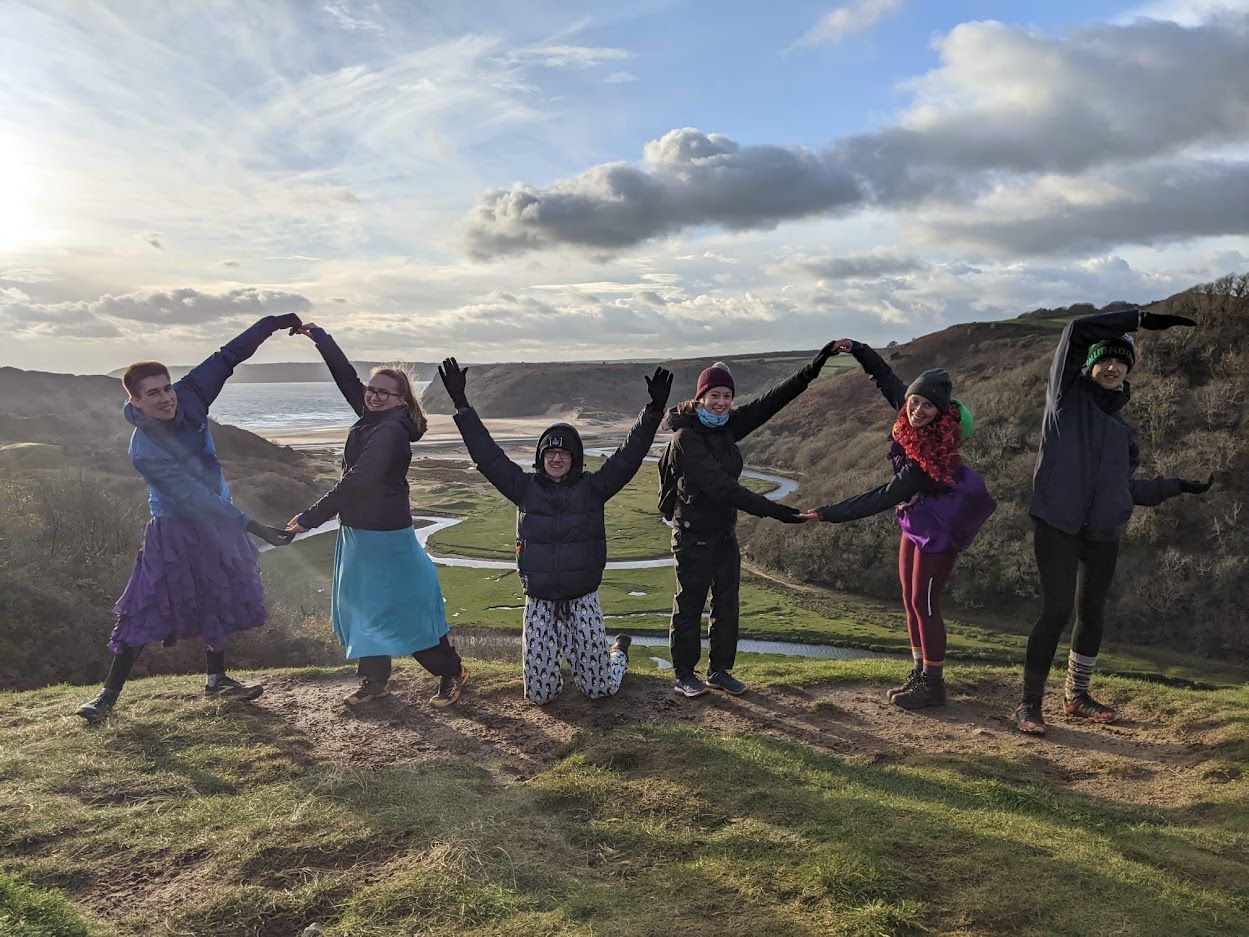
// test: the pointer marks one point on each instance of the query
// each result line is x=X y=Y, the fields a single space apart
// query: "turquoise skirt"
x=387 y=599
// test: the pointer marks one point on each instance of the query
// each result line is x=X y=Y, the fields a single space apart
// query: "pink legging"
x=923 y=575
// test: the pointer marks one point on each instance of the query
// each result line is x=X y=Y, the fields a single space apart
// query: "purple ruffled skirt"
x=193 y=578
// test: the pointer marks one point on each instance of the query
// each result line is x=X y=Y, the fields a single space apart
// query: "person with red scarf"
x=940 y=503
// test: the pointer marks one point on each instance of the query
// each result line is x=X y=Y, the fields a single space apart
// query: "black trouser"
x=705 y=561
x=441 y=660
x=119 y=670
x=1075 y=572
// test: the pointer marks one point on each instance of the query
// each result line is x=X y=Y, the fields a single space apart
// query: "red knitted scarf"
x=934 y=447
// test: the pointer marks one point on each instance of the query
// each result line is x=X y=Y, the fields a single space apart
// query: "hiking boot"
x=98 y=709
x=1028 y=717
x=449 y=688
x=368 y=691
x=689 y=686
x=1084 y=706
x=621 y=644
x=227 y=688
x=724 y=680
x=912 y=678
x=927 y=691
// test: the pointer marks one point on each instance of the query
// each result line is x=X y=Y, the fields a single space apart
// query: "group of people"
x=197 y=572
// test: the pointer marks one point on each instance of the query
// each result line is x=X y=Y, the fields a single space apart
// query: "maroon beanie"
x=715 y=376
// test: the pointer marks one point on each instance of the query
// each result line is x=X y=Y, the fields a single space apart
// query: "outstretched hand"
x=274 y=536
x=659 y=387
x=786 y=514
x=454 y=379
x=1196 y=488
x=811 y=516
x=288 y=321
x=1156 y=322
x=822 y=356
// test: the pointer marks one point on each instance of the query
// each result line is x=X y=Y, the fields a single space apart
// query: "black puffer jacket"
x=708 y=462
x=373 y=492
x=561 y=537
x=1083 y=480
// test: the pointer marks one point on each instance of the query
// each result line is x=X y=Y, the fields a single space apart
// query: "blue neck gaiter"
x=707 y=418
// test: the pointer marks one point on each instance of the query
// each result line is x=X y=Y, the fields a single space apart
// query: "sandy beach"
x=442 y=433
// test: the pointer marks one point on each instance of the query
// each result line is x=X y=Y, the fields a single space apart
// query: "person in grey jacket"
x=561 y=538
x=1082 y=498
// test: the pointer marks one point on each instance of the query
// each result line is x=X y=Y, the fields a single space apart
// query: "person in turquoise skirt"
x=386 y=600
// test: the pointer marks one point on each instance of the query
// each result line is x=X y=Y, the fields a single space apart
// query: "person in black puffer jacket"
x=700 y=468
x=561 y=538
x=386 y=598
x=1082 y=498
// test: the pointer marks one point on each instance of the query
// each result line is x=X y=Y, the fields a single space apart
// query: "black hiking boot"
x=450 y=688
x=912 y=678
x=724 y=680
x=1084 y=706
x=927 y=691
x=226 y=688
x=368 y=691
x=98 y=709
x=621 y=644
x=1029 y=718
x=689 y=686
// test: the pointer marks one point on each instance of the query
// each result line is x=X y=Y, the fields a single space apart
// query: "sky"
x=529 y=181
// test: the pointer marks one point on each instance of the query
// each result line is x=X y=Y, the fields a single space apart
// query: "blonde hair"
x=403 y=377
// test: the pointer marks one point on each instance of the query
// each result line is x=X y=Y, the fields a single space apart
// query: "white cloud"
x=620 y=78
x=847 y=20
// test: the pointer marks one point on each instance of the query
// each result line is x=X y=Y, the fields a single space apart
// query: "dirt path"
x=1140 y=761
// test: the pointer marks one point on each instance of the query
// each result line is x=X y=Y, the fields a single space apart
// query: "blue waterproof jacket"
x=178 y=458
x=1083 y=480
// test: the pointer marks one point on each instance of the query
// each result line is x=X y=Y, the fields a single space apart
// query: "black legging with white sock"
x=1075 y=573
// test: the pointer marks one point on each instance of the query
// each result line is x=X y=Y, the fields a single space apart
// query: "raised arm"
x=749 y=417
x=208 y=377
x=508 y=477
x=700 y=471
x=905 y=485
x=342 y=370
x=890 y=385
x=624 y=463
x=1151 y=492
x=381 y=448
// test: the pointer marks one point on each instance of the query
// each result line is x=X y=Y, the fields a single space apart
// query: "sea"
x=286 y=405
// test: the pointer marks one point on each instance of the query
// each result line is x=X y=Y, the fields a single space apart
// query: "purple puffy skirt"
x=194 y=577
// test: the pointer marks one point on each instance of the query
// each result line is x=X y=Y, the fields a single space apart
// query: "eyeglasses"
x=382 y=393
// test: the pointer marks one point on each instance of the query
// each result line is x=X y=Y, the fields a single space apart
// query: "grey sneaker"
x=227 y=688
x=724 y=680
x=689 y=686
x=621 y=644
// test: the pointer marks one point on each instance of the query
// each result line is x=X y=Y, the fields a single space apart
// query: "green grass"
x=231 y=824
x=634 y=529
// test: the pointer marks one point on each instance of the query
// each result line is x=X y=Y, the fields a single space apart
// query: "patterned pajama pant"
x=572 y=630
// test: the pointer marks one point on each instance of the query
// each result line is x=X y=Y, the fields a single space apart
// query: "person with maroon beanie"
x=700 y=494
x=940 y=503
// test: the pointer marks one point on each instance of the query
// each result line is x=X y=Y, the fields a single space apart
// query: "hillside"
x=72 y=511
x=606 y=390
x=809 y=807
x=1183 y=577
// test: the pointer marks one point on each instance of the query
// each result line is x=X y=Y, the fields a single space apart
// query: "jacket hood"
x=571 y=440
x=394 y=414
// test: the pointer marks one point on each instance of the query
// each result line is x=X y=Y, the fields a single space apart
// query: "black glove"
x=785 y=514
x=453 y=379
x=821 y=358
x=287 y=321
x=1156 y=322
x=659 y=387
x=275 y=536
x=1196 y=488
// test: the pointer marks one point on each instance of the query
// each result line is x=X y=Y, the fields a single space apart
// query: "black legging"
x=441 y=660
x=119 y=670
x=1059 y=558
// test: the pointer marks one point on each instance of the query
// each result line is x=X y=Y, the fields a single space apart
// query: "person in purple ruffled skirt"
x=196 y=575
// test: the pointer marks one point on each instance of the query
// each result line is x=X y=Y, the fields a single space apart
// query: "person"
x=196 y=574
x=940 y=501
x=386 y=600
x=700 y=494
x=1082 y=497
x=561 y=539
